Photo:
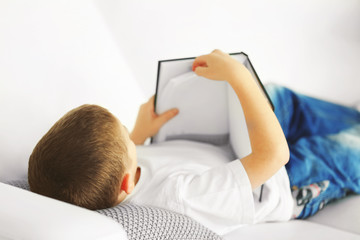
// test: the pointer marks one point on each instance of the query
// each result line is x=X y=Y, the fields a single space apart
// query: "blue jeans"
x=324 y=143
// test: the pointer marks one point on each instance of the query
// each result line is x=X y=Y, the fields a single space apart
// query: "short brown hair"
x=81 y=159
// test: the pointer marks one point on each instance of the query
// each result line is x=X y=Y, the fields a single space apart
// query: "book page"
x=171 y=69
x=203 y=112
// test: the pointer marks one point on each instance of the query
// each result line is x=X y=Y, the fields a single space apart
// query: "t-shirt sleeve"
x=220 y=198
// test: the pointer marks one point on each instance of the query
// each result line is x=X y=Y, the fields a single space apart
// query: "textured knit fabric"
x=324 y=142
x=23 y=183
x=145 y=222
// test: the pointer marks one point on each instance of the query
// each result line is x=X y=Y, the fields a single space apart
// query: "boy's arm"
x=269 y=147
x=148 y=123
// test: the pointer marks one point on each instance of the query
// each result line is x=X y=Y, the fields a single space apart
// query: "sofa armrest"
x=26 y=215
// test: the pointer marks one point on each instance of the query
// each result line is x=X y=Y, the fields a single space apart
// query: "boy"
x=89 y=159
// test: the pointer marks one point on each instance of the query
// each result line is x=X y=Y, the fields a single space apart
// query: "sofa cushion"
x=291 y=230
x=146 y=222
x=343 y=214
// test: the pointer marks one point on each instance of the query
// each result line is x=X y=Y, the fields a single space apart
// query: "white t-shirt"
x=200 y=181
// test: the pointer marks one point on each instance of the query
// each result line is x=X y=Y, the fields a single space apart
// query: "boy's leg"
x=334 y=158
x=324 y=142
x=300 y=115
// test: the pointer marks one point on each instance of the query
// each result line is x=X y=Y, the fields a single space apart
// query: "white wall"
x=311 y=45
x=56 y=55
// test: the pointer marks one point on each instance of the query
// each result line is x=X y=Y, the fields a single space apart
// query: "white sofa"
x=25 y=215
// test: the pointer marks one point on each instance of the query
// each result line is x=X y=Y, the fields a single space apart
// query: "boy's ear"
x=126 y=184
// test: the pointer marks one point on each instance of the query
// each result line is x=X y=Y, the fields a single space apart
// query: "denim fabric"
x=324 y=143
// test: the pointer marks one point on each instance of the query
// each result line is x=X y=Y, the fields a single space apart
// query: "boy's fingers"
x=150 y=103
x=152 y=99
x=218 y=51
x=166 y=116
x=199 y=62
x=200 y=71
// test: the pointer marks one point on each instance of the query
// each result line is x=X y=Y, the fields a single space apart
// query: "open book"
x=209 y=111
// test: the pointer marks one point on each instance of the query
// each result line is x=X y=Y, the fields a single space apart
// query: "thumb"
x=166 y=116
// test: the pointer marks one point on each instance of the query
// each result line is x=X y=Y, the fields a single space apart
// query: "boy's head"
x=86 y=159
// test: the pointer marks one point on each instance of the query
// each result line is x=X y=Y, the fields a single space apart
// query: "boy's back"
x=200 y=181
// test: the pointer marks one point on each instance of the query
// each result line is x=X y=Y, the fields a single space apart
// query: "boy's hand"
x=218 y=66
x=148 y=123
